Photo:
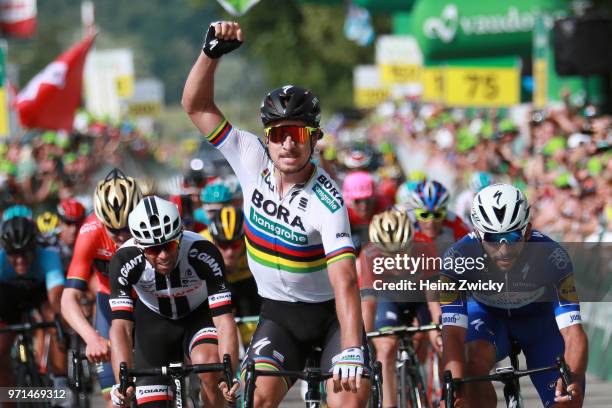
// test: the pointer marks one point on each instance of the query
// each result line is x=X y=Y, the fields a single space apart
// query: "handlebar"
x=405 y=330
x=506 y=375
x=308 y=374
x=174 y=370
x=28 y=327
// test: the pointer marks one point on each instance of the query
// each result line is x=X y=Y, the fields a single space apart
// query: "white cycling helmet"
x=499 y=208
x=155 y=221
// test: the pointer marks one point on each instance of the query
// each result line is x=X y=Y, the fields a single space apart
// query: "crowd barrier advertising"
x=447 y=29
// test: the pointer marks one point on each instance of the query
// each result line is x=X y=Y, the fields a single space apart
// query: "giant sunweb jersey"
x=198 y=277
x=291 y=239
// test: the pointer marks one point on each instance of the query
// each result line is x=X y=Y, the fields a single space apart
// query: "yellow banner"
x=125 y=86
x=144 y=109
x=370 y=97
x=465 y=86
x=400 y=74
x=540 y=83
x=4 y=120
x=433 y=84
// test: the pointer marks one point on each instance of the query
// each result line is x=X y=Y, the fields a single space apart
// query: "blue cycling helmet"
x=216 y=193
x=430 y=195
x=17 y=211
x=480 y=180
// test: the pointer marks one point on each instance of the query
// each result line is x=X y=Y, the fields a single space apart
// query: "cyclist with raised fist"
x=297 y=231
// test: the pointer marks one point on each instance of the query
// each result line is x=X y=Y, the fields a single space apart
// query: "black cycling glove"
x=215 y=47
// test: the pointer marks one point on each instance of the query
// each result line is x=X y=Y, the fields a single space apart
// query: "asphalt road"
x=599 y=395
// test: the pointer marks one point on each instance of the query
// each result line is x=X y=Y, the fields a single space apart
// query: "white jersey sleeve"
x=243 y=151
x=332 y=219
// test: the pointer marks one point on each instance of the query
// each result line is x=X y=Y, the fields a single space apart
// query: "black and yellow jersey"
x=243 y=272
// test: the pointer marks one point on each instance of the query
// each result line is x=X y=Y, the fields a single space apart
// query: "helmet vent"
x=500 y=213
x=484 y=214
x=167 y=226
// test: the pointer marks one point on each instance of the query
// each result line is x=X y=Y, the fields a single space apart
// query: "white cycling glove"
x=114 y=398
x=349 y=363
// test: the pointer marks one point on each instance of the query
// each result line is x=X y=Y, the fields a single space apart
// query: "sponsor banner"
x=276 y=229
x=369 y=91
x=541 y=45
x=481 y=86
x=326 y=199
x=109 y=81
x=399 y=59
x=433 y=84
x=472 y=28
x=147 y=99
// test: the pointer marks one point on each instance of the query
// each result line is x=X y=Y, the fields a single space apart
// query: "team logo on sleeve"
x=129 y=265
x=559 y=258
x=567 y=290
x=125 y=305
x=448 y=296
x=220 y=299
x=331 y=188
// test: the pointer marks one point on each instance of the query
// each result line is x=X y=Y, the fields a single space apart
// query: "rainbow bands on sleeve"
x=218 y=136
x=340 y=253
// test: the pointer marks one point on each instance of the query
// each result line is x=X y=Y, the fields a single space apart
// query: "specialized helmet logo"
x=497 y=195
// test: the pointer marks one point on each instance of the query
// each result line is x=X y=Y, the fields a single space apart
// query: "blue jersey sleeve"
x=566 y=303
x=51 y=264
x=452 y=301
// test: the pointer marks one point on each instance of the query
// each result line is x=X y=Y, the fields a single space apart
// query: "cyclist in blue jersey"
x=298 y=238
x=30 y=275
x=521 y=288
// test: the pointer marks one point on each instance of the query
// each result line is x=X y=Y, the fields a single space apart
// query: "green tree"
x=305 y=45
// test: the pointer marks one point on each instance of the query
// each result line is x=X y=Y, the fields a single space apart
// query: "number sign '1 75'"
x=464 y=86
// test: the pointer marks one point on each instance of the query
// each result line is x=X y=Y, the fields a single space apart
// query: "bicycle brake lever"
x=564 y=371
x=227 y=370
x=123 y=378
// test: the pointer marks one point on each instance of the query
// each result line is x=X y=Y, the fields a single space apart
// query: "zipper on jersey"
x=169 y=289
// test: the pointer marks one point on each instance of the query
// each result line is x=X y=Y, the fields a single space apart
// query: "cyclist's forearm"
x=198 y=94
x=54 y=296
x=72 y=313
x=228 y=337
x=453 y=352
x=576 y=350
x=121 y=345
x=348 y=309
x=435 y=310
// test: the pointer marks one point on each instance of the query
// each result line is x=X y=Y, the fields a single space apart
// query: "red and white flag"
x=18 y=17
x=51 y=98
